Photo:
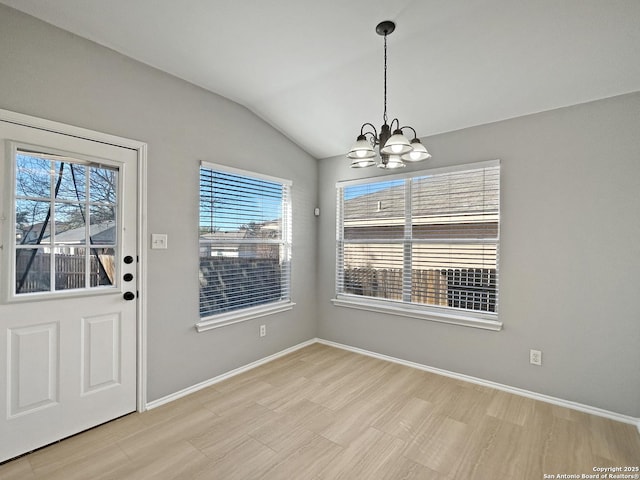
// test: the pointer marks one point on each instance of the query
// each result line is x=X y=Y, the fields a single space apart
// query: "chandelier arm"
x=397 y=122
x=415 y=135
x=362 y=132
x=373 y=139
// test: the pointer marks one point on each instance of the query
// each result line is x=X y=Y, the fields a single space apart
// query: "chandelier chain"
x=384 y=117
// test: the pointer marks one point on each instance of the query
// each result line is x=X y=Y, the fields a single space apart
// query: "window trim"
x=246 y=173
x=242 y=315
x=211 y=322
x=420 y=173
x=427 y=312
x=9 y=294
x=449 y=315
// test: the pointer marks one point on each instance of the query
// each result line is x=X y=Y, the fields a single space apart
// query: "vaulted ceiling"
x=313 y=68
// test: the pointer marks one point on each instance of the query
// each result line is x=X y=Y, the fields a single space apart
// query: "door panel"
x=33 y=368
x=67 y=335
x=101 y=352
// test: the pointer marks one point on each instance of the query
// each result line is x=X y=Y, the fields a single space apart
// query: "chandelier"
x=394 y=148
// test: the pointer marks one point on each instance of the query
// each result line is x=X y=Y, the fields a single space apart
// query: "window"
x=66 y=224
x=245 y=245
x=422 y=245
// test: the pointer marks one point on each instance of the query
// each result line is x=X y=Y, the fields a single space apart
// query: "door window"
x=66 y=223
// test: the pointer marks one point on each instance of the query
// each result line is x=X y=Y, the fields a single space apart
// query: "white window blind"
x=245 y=240
x=428 y=240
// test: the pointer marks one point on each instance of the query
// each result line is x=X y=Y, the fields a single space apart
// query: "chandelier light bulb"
x=418 y=152
x=397 y=144
x=361 y=149
x=365 y=162
x=390 y=162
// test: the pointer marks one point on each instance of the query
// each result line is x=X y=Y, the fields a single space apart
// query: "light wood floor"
x=324 y=413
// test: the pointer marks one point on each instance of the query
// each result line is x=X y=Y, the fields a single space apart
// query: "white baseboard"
x=458 y=376
x=207 y=383
x=498 y=386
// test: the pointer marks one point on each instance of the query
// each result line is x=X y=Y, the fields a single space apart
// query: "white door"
x=68 y=272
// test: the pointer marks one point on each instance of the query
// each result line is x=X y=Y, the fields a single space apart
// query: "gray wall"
x=570 y=225
x=50 y=73
x=569 y=258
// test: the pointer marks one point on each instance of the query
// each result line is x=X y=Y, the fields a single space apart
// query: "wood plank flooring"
x=322 y=413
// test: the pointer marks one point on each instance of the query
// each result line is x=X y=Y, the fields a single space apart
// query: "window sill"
x=224 y=319
x=403 y=310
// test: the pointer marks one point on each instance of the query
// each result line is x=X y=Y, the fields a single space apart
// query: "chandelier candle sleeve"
x=394 y=148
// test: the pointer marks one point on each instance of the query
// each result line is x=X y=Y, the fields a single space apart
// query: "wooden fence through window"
x=69 y=271
x=469 y=288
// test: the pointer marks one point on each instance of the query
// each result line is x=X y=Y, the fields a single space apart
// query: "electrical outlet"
x=535 y=357
x=263 y=330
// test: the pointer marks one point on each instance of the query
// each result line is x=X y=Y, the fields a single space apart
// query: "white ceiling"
x=313 y=68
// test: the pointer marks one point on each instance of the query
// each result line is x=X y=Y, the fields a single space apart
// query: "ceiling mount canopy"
x=385 y=28
x=394 y=148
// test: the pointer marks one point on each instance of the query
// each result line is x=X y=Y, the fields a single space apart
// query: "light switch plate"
x=158 y=241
